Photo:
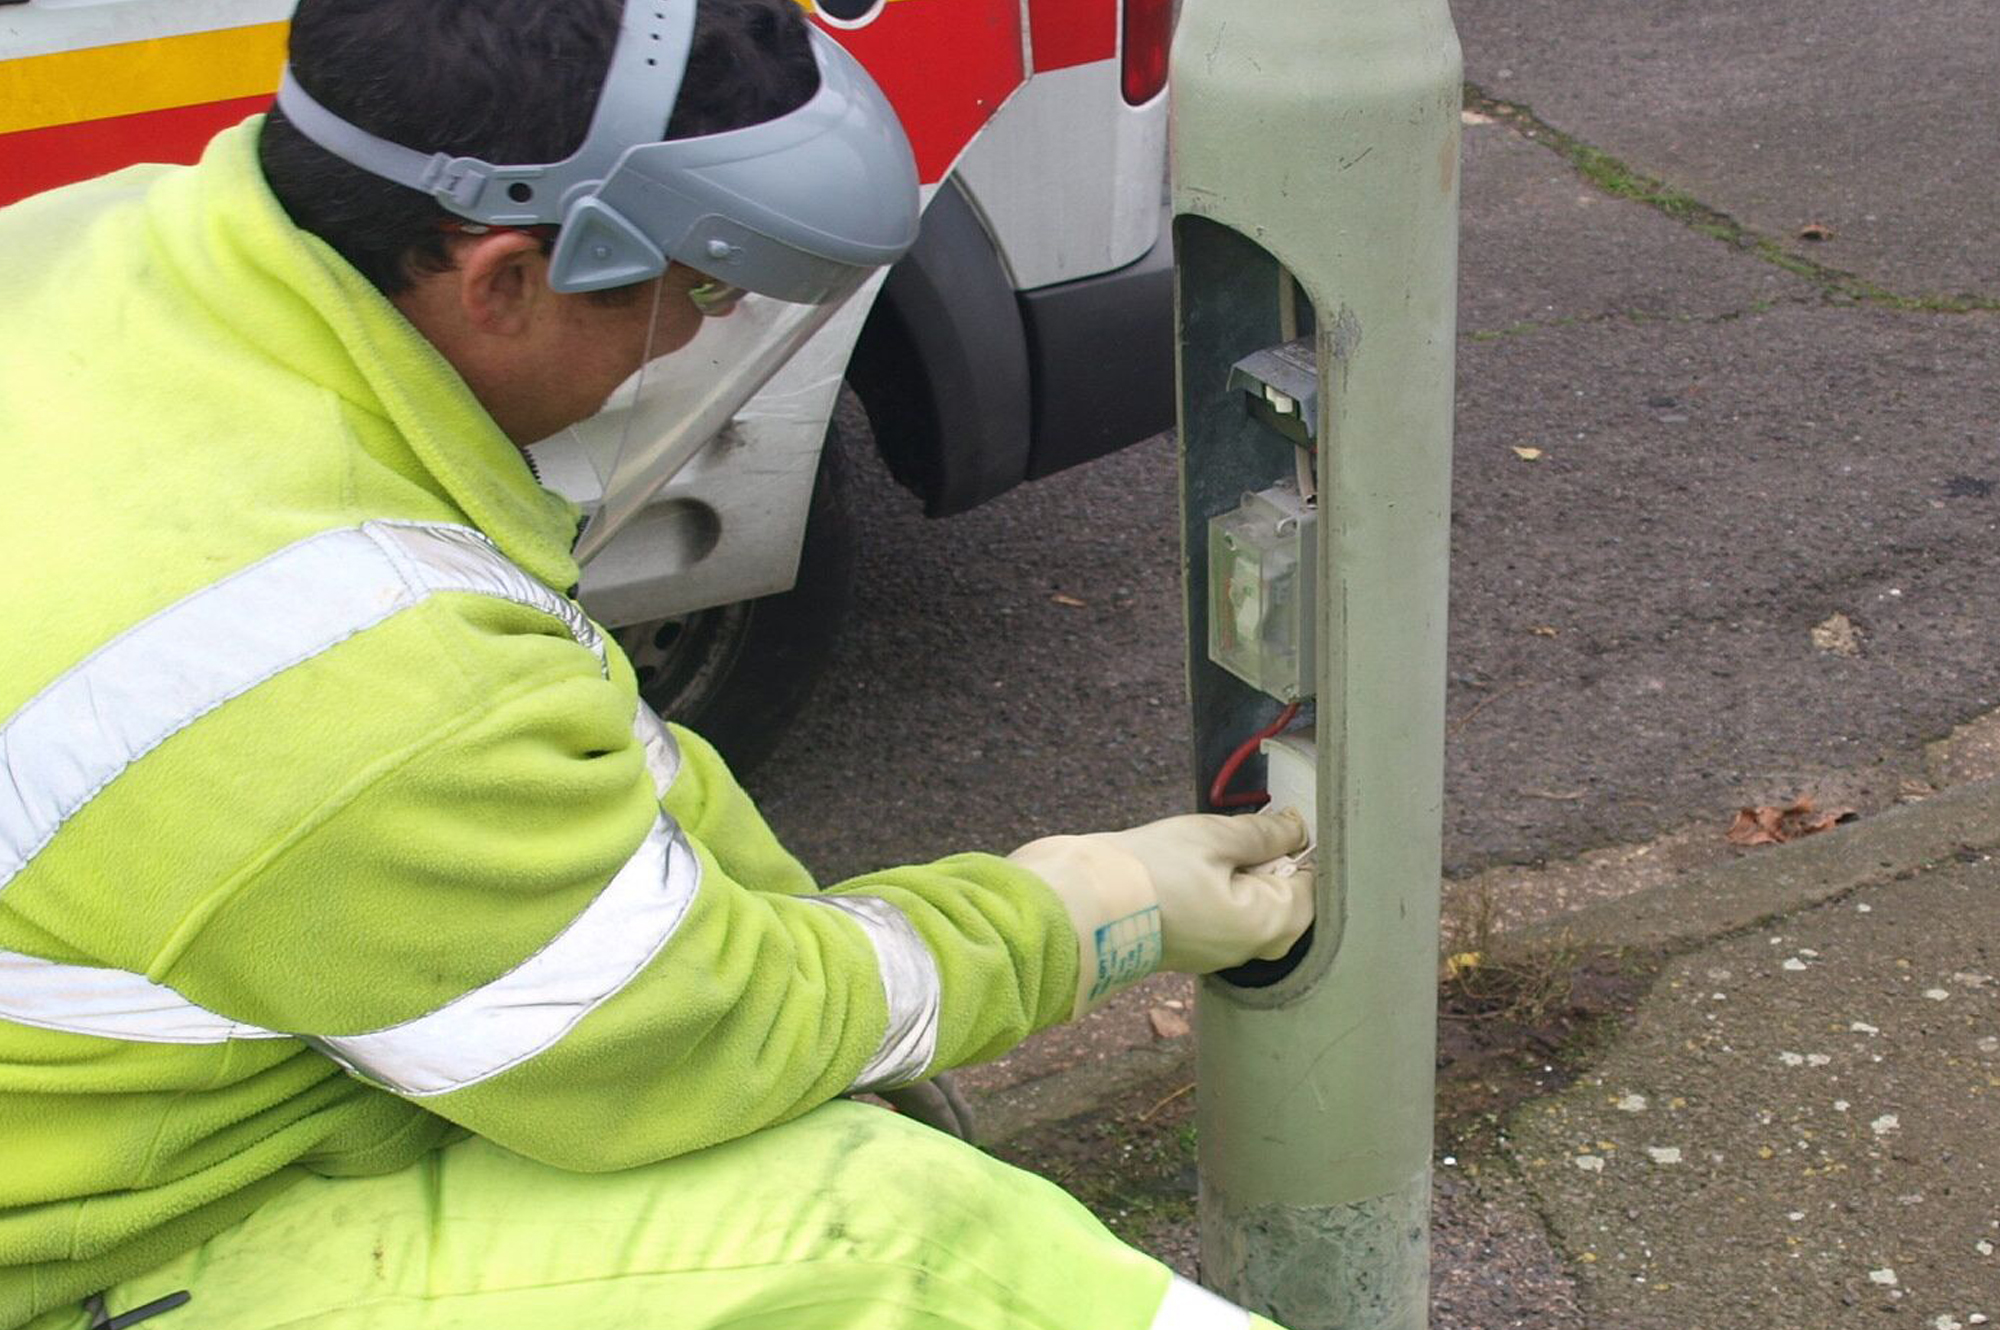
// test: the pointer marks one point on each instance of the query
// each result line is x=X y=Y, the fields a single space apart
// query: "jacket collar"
x=328 y=323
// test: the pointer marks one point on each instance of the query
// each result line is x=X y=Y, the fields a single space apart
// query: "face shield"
x=660 y=418
x=799 y=211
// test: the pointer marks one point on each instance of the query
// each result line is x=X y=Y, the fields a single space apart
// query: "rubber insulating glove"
x=1190 y=894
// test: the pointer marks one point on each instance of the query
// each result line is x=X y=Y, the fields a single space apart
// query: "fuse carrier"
x=1262 y=566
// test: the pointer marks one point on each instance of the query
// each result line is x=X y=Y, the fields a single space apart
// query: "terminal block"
x=1262 y=561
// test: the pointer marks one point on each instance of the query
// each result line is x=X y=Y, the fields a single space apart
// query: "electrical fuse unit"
x=1262 y=561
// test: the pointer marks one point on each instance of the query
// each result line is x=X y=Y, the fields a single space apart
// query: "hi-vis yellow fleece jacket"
x=330 y=829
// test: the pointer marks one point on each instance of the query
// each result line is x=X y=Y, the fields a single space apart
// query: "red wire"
x=1217 y=790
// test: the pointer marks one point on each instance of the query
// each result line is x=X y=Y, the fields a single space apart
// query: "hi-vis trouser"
x=849 y=1217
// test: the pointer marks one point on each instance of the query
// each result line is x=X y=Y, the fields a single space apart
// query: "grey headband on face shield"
x=800 y=208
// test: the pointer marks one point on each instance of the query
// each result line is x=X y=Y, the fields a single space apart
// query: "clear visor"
x=660 y=418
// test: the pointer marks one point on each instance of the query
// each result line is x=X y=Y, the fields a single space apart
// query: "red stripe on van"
x=1073 y=32
x=34 y=160
x=947 y=65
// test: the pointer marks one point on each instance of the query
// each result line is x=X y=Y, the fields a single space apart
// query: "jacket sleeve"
x=708 y=804
x=506 y=922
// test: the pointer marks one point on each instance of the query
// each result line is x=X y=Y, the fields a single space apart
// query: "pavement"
x=1801 y=1125
x=1795 y=1121
x=1733 y=270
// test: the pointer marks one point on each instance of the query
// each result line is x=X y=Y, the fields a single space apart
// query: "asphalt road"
x=1740 y=438
x=971 y=705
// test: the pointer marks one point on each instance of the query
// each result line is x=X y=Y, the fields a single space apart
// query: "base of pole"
x=1363 y=1266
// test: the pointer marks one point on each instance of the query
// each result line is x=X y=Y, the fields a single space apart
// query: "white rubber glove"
x=1192 y=894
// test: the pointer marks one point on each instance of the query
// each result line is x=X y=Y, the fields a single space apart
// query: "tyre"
x=739 y=674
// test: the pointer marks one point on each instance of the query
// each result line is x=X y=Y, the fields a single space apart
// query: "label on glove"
x=1128 y=950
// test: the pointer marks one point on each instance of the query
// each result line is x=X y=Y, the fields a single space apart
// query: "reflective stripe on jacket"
x=79 y=734
x=328 y=828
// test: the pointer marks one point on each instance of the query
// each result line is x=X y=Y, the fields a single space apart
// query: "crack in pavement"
x=1620 y=179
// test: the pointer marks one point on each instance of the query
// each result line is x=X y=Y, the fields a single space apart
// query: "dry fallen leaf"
x=1071 y=601
x=1838 y=636
x=1815 y=231
x=1543 y=630
x=1528 y=454
x=1767 y=824
x=1471 y=117
x=1169 y=1025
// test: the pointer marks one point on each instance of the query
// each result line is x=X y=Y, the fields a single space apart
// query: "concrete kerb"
x=1770 y=883
x=1060 y=1096
x=1704 y=906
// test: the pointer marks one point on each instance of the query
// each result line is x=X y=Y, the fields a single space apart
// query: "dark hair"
x=509 y=81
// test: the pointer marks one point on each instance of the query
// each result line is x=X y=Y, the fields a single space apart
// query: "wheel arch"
x=942 y=365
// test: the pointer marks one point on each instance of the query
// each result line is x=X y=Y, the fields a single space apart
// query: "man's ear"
x=502 y=282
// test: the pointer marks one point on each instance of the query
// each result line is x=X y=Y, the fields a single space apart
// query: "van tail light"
x=1149 y=32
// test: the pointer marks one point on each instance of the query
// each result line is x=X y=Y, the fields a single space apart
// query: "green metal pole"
x=1315 y=151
